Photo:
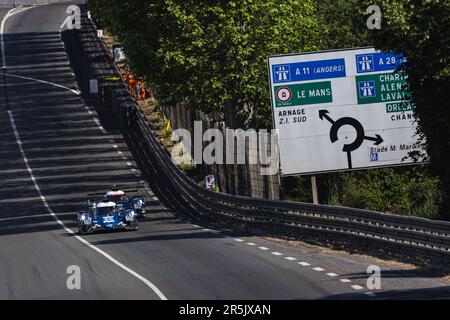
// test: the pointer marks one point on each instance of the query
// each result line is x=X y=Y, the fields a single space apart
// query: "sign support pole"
x=314 y=190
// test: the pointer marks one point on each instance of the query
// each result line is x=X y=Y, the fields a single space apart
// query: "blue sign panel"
x=311 y=70
x=375 y=62
x=366 y=89
x=374 y=156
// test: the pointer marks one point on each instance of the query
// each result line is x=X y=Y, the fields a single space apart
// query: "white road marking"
x=195 y=226
x=276 y=253
x=45 y=82
x=345 y=280
x=99 y=125
x=263 y=248
x=119 y=152
x=357 y=287
x=239 y=240
x=304 y=264
x=115 y=146
x=8 y=15
x=155 y=198
x=331 y=274
x=251 y=244
x=68 y=230
x=290 y=258
x=128 y=163
x=318 y=269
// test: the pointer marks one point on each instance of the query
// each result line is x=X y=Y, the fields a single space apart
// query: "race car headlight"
x=139 y=204
x=85 y=219
x=130 y=215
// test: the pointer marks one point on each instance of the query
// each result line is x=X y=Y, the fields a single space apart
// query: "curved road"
x=55 y=150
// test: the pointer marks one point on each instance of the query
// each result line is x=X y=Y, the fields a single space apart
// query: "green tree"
x=211 y=54
x=420 y=29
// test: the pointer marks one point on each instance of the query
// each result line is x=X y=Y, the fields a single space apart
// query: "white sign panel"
x=341 y=110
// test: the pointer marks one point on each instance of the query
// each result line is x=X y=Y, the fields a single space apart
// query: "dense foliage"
x=421 y=30
x=213 y=56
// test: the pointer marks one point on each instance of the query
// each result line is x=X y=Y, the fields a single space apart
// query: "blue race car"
x=106 y=215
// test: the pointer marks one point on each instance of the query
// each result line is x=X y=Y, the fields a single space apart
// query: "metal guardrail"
x=407 y=235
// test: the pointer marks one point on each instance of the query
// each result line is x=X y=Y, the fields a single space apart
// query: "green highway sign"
x=303 y=94
x=379 y=88
x=399 y=107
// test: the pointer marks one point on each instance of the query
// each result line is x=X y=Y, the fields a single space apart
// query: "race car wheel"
x=133 y=225
x=82 y=230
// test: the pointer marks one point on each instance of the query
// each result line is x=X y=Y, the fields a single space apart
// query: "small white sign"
x=100 y=33
x=93 y=85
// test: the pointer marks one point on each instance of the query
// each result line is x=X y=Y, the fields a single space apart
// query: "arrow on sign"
x=323 y=114
x=378 y=139
x=360 y=134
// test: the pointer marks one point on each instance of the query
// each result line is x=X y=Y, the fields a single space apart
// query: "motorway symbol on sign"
x=360 y=134
x=282 y=73
x=365 y=62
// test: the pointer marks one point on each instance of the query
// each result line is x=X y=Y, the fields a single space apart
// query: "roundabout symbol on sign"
x=360 y=134
x=284 y=94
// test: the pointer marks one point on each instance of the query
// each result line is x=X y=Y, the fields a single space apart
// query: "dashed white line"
x=304 y=264
x=129 y=163
x=357 y=287
x=238 y=240
x=318 y=269
x=290 y=258
x=68 y=230
x=345 y=280
x=115 y=146
x=276 y=253
x=251 y=244
x=331 y=274
x=99 y=125
x=263 y=248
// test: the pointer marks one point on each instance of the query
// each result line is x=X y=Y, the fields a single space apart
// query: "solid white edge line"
x=68 y=230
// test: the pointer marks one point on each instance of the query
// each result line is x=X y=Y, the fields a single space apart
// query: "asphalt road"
x=71 y=150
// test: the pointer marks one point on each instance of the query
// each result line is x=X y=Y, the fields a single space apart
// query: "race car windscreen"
x=117 y=198
x=106 y=210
